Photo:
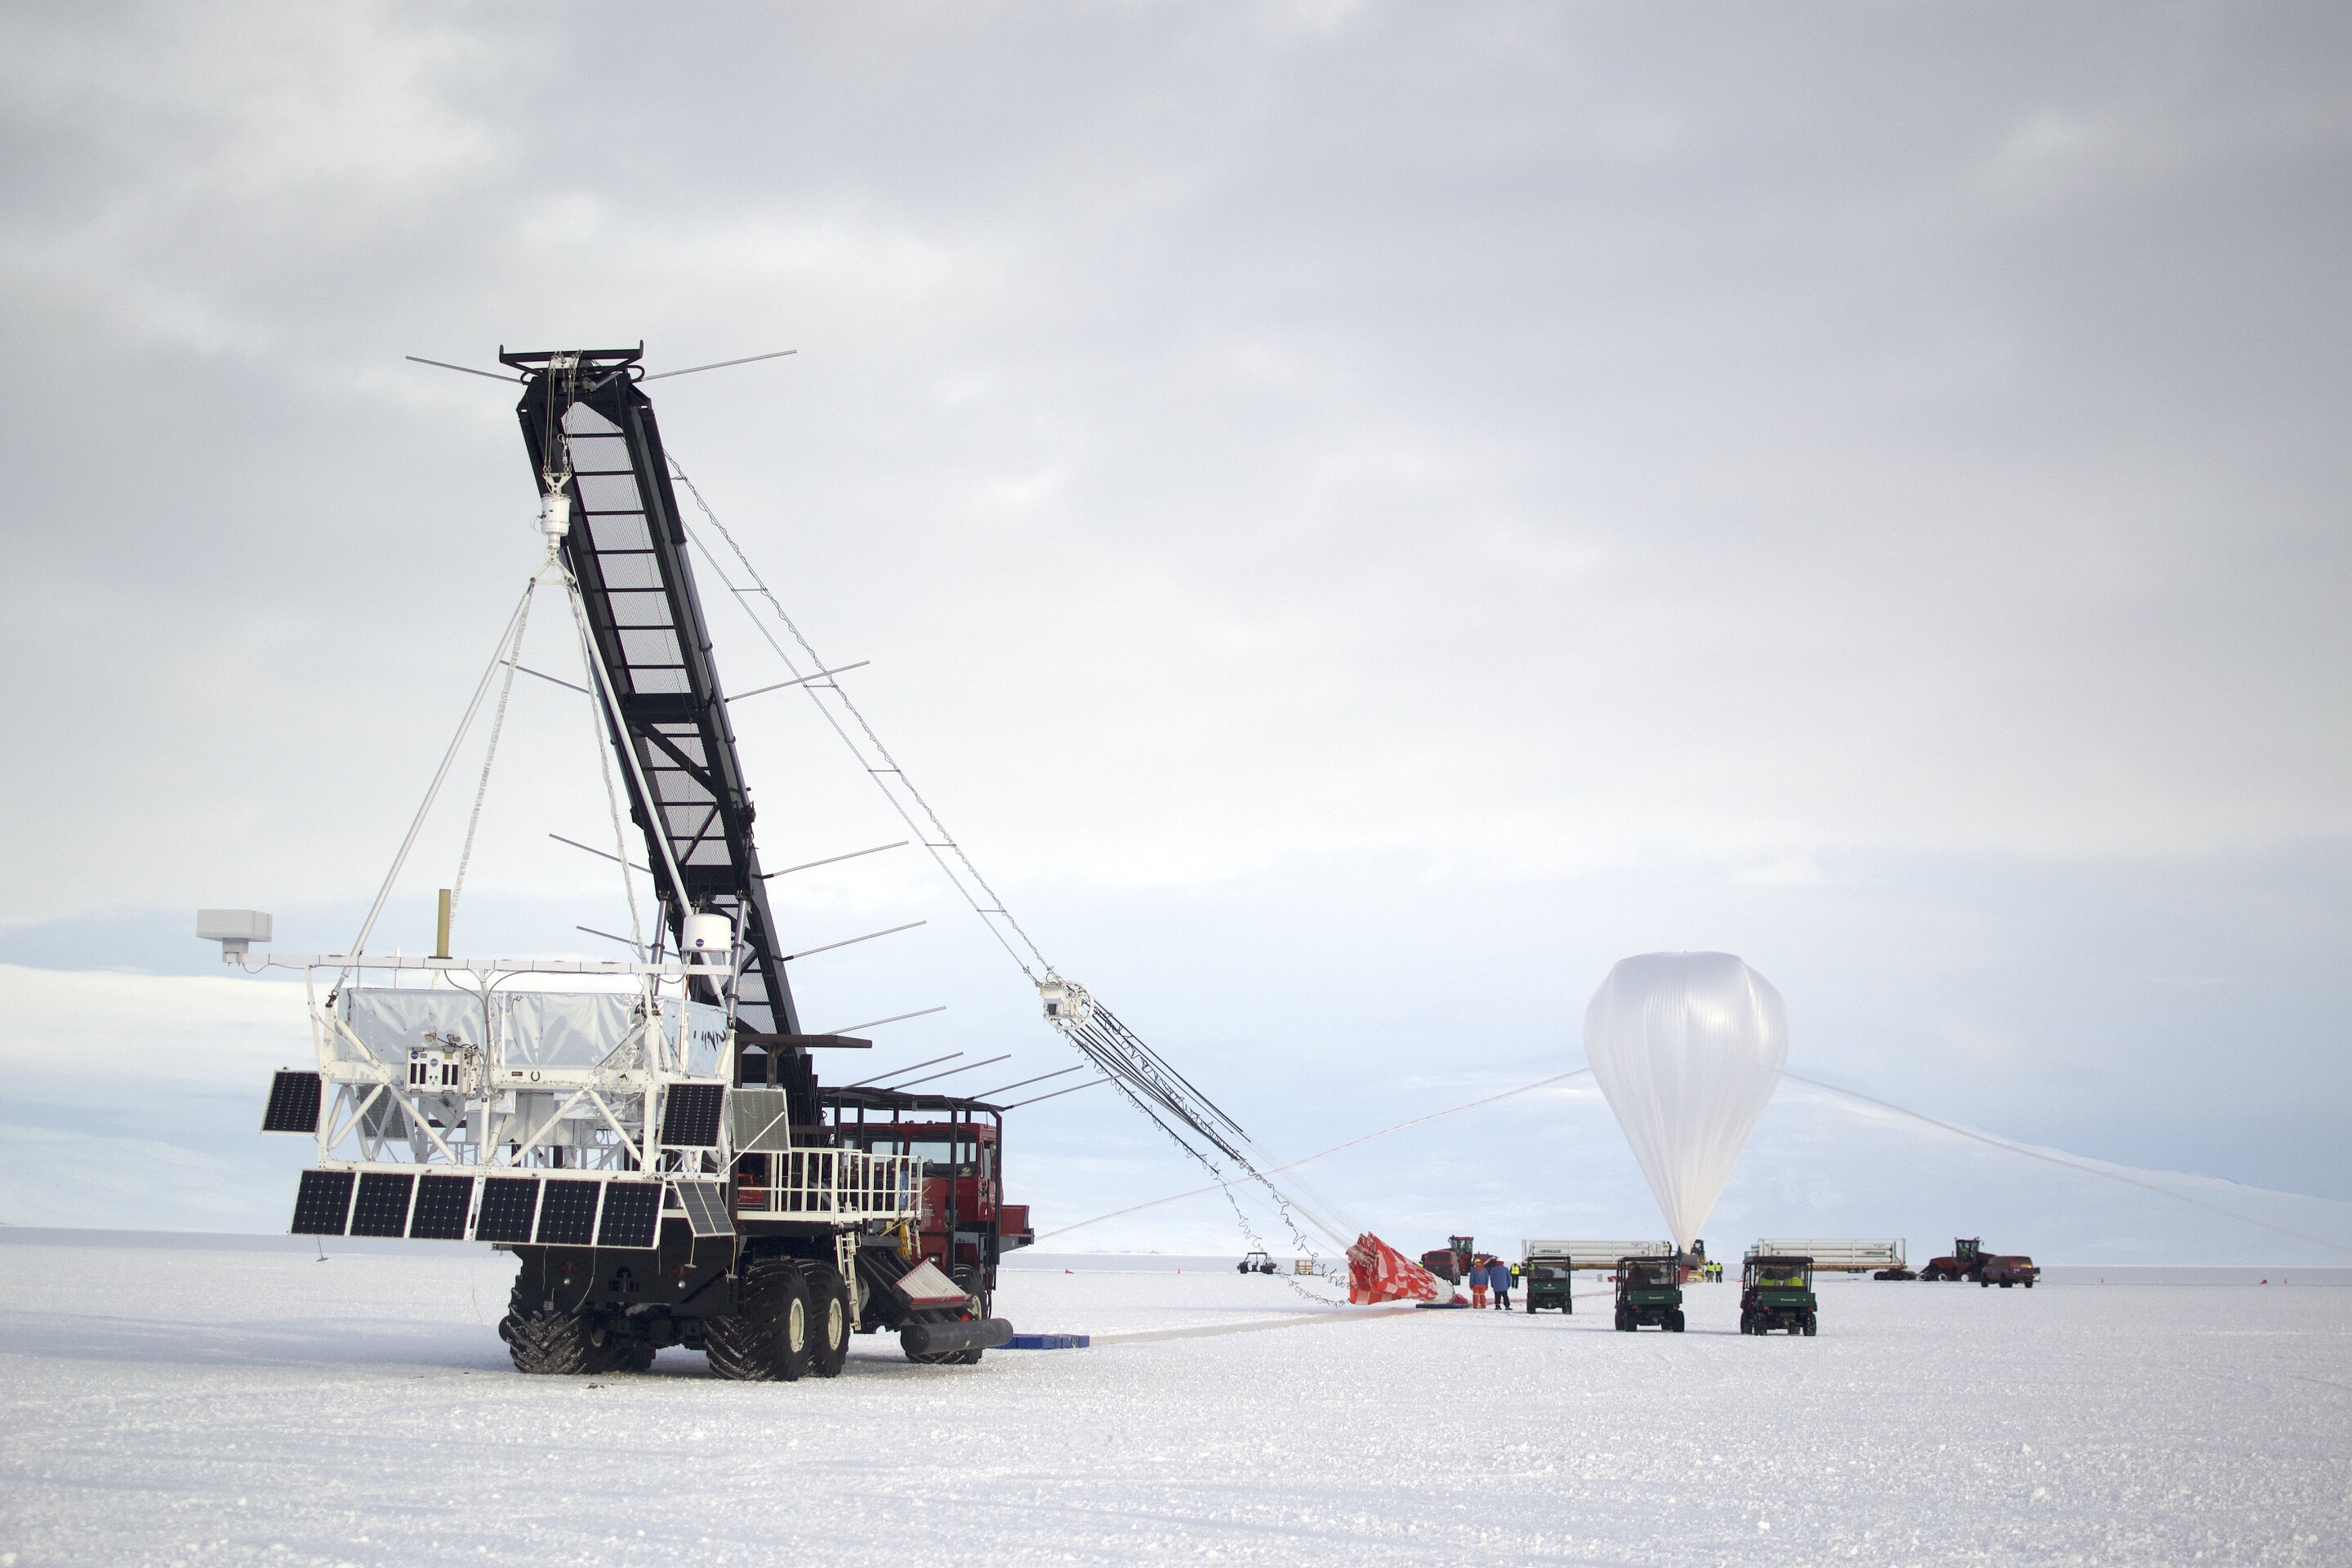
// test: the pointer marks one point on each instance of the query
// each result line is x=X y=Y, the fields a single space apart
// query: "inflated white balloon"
x=1687 y=1047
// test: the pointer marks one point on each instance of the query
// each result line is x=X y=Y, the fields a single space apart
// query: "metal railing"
x=834 y=1183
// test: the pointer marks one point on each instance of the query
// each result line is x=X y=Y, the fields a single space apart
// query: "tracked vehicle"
x=649 y=1137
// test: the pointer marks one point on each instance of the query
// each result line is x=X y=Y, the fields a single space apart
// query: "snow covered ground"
x=233 y=1400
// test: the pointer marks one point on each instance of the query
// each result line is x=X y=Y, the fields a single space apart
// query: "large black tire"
x=1811 y=1324
x=1675 y=1324
x=551 y=1344
x=831 y=1319
x=555 y=1344
x=768 y=1339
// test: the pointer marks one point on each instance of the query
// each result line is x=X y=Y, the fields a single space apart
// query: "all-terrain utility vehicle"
x=1777 y=1294
x=1649 y=1294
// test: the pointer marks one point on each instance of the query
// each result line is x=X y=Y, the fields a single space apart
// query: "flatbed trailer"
x=1592 y=1254
x=1838 y=1255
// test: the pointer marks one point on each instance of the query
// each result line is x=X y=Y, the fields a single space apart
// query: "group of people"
x=1489 y=1275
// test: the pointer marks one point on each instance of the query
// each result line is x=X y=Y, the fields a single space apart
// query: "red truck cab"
x=966 y=1225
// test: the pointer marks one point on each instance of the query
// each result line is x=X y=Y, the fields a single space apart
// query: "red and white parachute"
x=1378 y=1272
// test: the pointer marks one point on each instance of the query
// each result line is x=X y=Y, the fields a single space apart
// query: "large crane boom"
x=593 y=442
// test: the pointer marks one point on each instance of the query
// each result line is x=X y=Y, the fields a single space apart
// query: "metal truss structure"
x=578 y=1129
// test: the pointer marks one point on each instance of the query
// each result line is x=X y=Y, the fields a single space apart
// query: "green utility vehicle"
x=1777 y=1293
x=1649 y=1294
x=1547 y=1281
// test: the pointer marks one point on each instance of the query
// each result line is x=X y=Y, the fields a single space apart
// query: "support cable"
x=367 y=927
x=605 y=743
x=490 y=752
x=921 y=818
x=1191 y=1121
x=1335 y=1148
x=2086 y=1168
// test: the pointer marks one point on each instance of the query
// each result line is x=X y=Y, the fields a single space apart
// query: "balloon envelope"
x=1687 y=1047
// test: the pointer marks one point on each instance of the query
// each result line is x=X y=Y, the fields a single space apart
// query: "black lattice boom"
x=585 y=421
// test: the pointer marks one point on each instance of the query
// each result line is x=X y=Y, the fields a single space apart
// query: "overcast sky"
x=1361 y=515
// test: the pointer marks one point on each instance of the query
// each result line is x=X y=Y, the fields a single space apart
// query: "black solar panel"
x=631 y=1209
x=567 y=1215
x=706 y=1207
x=383 y=1208
x=510 y=1205
x=324 y=1199
x=293 y=1103
x=441 y=1206
x=690 y=1113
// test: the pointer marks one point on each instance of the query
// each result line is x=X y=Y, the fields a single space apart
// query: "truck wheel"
x=543 y=1343
x=1984 y=1284
x=829 y=1315
x=1675 y=1324
x=768 y=1339
x=553 y=1344
x=1811 y=1323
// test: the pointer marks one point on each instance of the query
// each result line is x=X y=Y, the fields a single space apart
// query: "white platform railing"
x=832 y=1183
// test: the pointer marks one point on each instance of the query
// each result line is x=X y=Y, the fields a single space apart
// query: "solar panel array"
x=509 y=1209
x=322 y=1204
x=293 y=1103
x=550 y=1211
x=705 y=1203
x=442 y=1203
x=567 y=1213
x=383 y=1208
x=690 y=1115
x=632 y=1210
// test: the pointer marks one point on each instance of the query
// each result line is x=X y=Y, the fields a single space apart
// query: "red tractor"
x=1969 y=1260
